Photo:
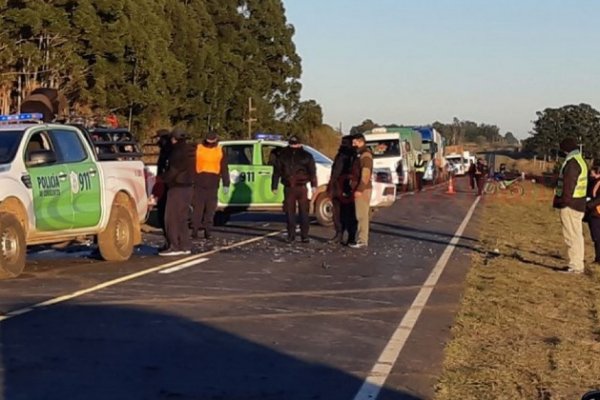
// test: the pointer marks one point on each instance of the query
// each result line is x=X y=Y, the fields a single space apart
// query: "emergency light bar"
x=267 y=136
x=36 y=117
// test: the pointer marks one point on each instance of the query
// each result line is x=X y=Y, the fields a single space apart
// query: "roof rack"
x=37 y=118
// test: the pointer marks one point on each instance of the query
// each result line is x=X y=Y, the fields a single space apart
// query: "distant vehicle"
x=56 y=186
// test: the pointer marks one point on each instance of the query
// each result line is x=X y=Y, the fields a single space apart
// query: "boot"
x=338 y=238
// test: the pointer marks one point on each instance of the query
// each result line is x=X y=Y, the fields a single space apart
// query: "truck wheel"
x=116 y=241
x=324 y=210
x=12 y=246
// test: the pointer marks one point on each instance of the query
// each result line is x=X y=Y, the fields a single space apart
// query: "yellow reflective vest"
x=581 y=187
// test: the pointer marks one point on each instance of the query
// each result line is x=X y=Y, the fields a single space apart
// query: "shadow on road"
x=102 y=352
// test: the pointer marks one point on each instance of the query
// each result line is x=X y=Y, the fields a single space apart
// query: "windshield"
x=9 y=142
x=384 y=148
x=319 y=157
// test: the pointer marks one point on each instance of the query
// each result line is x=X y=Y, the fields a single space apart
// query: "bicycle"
x=498 y=183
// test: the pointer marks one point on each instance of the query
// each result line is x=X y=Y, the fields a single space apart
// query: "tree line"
x=159 y=63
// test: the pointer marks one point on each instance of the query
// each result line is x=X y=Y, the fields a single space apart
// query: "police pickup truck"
x=251 y=171
x=55 y=186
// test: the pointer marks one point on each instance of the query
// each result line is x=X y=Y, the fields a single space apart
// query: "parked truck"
x=55 y=186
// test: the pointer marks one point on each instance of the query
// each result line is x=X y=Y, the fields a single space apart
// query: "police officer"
x=160 y=189
x=211 y=166
x=179 y=177
x=570 y=199
x=296 y=168
x=363 y=190
x=420 y=171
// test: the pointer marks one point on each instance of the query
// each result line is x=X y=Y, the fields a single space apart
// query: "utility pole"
x=250 y=119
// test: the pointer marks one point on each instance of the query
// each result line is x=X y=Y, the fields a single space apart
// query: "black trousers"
x=296 y=198
x=420 y=181
x=176 y=218
x=161 y=207
x=205 y=206
x=594 y=224
x=481 y=180
x=344 y=217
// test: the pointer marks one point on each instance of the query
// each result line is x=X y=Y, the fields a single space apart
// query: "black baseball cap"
x=359 y=136
x=212 y=136
x=294 y=140
x=162 y=133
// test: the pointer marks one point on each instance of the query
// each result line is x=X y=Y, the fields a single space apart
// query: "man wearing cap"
x=179 y=177
x=296 y=168
x=363 y=189
x=570 y=199
x=211 y=166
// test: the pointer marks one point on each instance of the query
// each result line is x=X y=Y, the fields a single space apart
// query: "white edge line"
x=183 y=266
x=383 y=367
x=79 y=293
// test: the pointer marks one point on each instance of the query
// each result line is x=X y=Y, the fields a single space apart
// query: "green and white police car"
x=54 y=188
x=251 y=173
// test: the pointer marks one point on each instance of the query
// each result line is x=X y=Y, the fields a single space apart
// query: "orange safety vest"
x=208 y=159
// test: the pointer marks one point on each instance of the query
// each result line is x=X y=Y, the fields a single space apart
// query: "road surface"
x=248 y=316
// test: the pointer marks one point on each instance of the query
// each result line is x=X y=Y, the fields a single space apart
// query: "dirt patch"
x=525 y=330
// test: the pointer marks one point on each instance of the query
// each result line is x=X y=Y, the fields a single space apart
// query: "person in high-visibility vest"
x=420 y=171
x=211 y=167
x=570 y=199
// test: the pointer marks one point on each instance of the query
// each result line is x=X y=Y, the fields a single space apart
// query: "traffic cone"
x=451 y=186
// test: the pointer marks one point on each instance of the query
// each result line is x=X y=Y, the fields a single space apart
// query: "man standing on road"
x=211 y=167
x=179 y=177
x=159 y=191
x=481 y=173
x=296 y=168
x=364 y=187
x=341 y=194
x=471 y=172
x=420 y=171
x=570 y=199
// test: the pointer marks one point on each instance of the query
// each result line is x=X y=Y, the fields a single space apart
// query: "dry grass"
x=524 y=330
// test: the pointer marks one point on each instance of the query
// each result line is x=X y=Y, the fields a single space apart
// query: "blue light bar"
x=267 y=136
x=22 y=117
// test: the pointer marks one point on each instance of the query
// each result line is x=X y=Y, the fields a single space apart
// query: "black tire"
x=516 y=189
x=116 y=241
x=13 y=246
x=221 y=218
x=324 y=210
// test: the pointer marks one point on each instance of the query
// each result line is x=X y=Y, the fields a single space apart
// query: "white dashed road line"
x=188 y=260
x=383 y=367
x=183 y=266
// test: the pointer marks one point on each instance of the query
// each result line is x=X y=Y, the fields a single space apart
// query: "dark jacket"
x=181 y=169
x=294 y=167
x=481 y=171
x=342 y=172
x=207 y=180
x=570 y=176
x=364 y=164
x=163 y=157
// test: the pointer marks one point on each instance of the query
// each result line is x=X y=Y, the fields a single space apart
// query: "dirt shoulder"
x=525 y=331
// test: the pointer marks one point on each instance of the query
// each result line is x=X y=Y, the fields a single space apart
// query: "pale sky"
x=414 y=62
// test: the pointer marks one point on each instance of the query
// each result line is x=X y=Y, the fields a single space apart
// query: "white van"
x=387 y=153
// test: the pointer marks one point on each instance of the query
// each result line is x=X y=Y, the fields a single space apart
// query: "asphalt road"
x=259 y=320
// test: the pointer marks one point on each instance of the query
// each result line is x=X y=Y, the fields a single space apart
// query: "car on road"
x=251 y=171
x=56 y=187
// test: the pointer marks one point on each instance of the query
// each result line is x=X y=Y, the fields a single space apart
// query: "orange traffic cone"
x=451 y=186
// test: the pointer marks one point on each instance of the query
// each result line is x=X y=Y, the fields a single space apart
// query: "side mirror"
x=594 y=395
x=40 y=157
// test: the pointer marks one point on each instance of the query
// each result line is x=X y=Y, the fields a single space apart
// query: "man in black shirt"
x=295 y=168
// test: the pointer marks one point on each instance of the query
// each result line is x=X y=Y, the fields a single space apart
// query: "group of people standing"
x=188 y=174
x=478 y=174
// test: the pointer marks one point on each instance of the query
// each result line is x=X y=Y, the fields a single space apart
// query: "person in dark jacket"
x=295 y=168
x=341 y=194
x=570 y=199
x=160 y=189
x=481 y=174
x=471 y=172
x=420 y=167
x=179 y=177
x=211 y=167
x=593 y=209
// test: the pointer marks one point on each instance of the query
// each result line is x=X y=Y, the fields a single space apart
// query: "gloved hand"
x=225 y=189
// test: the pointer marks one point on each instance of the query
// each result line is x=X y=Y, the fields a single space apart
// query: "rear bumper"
x=384 y=195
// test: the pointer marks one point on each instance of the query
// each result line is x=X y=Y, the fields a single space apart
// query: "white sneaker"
x=357 y=245
x=171 y=253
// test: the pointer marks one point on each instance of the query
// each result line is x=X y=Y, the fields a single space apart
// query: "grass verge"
x=524 y=331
